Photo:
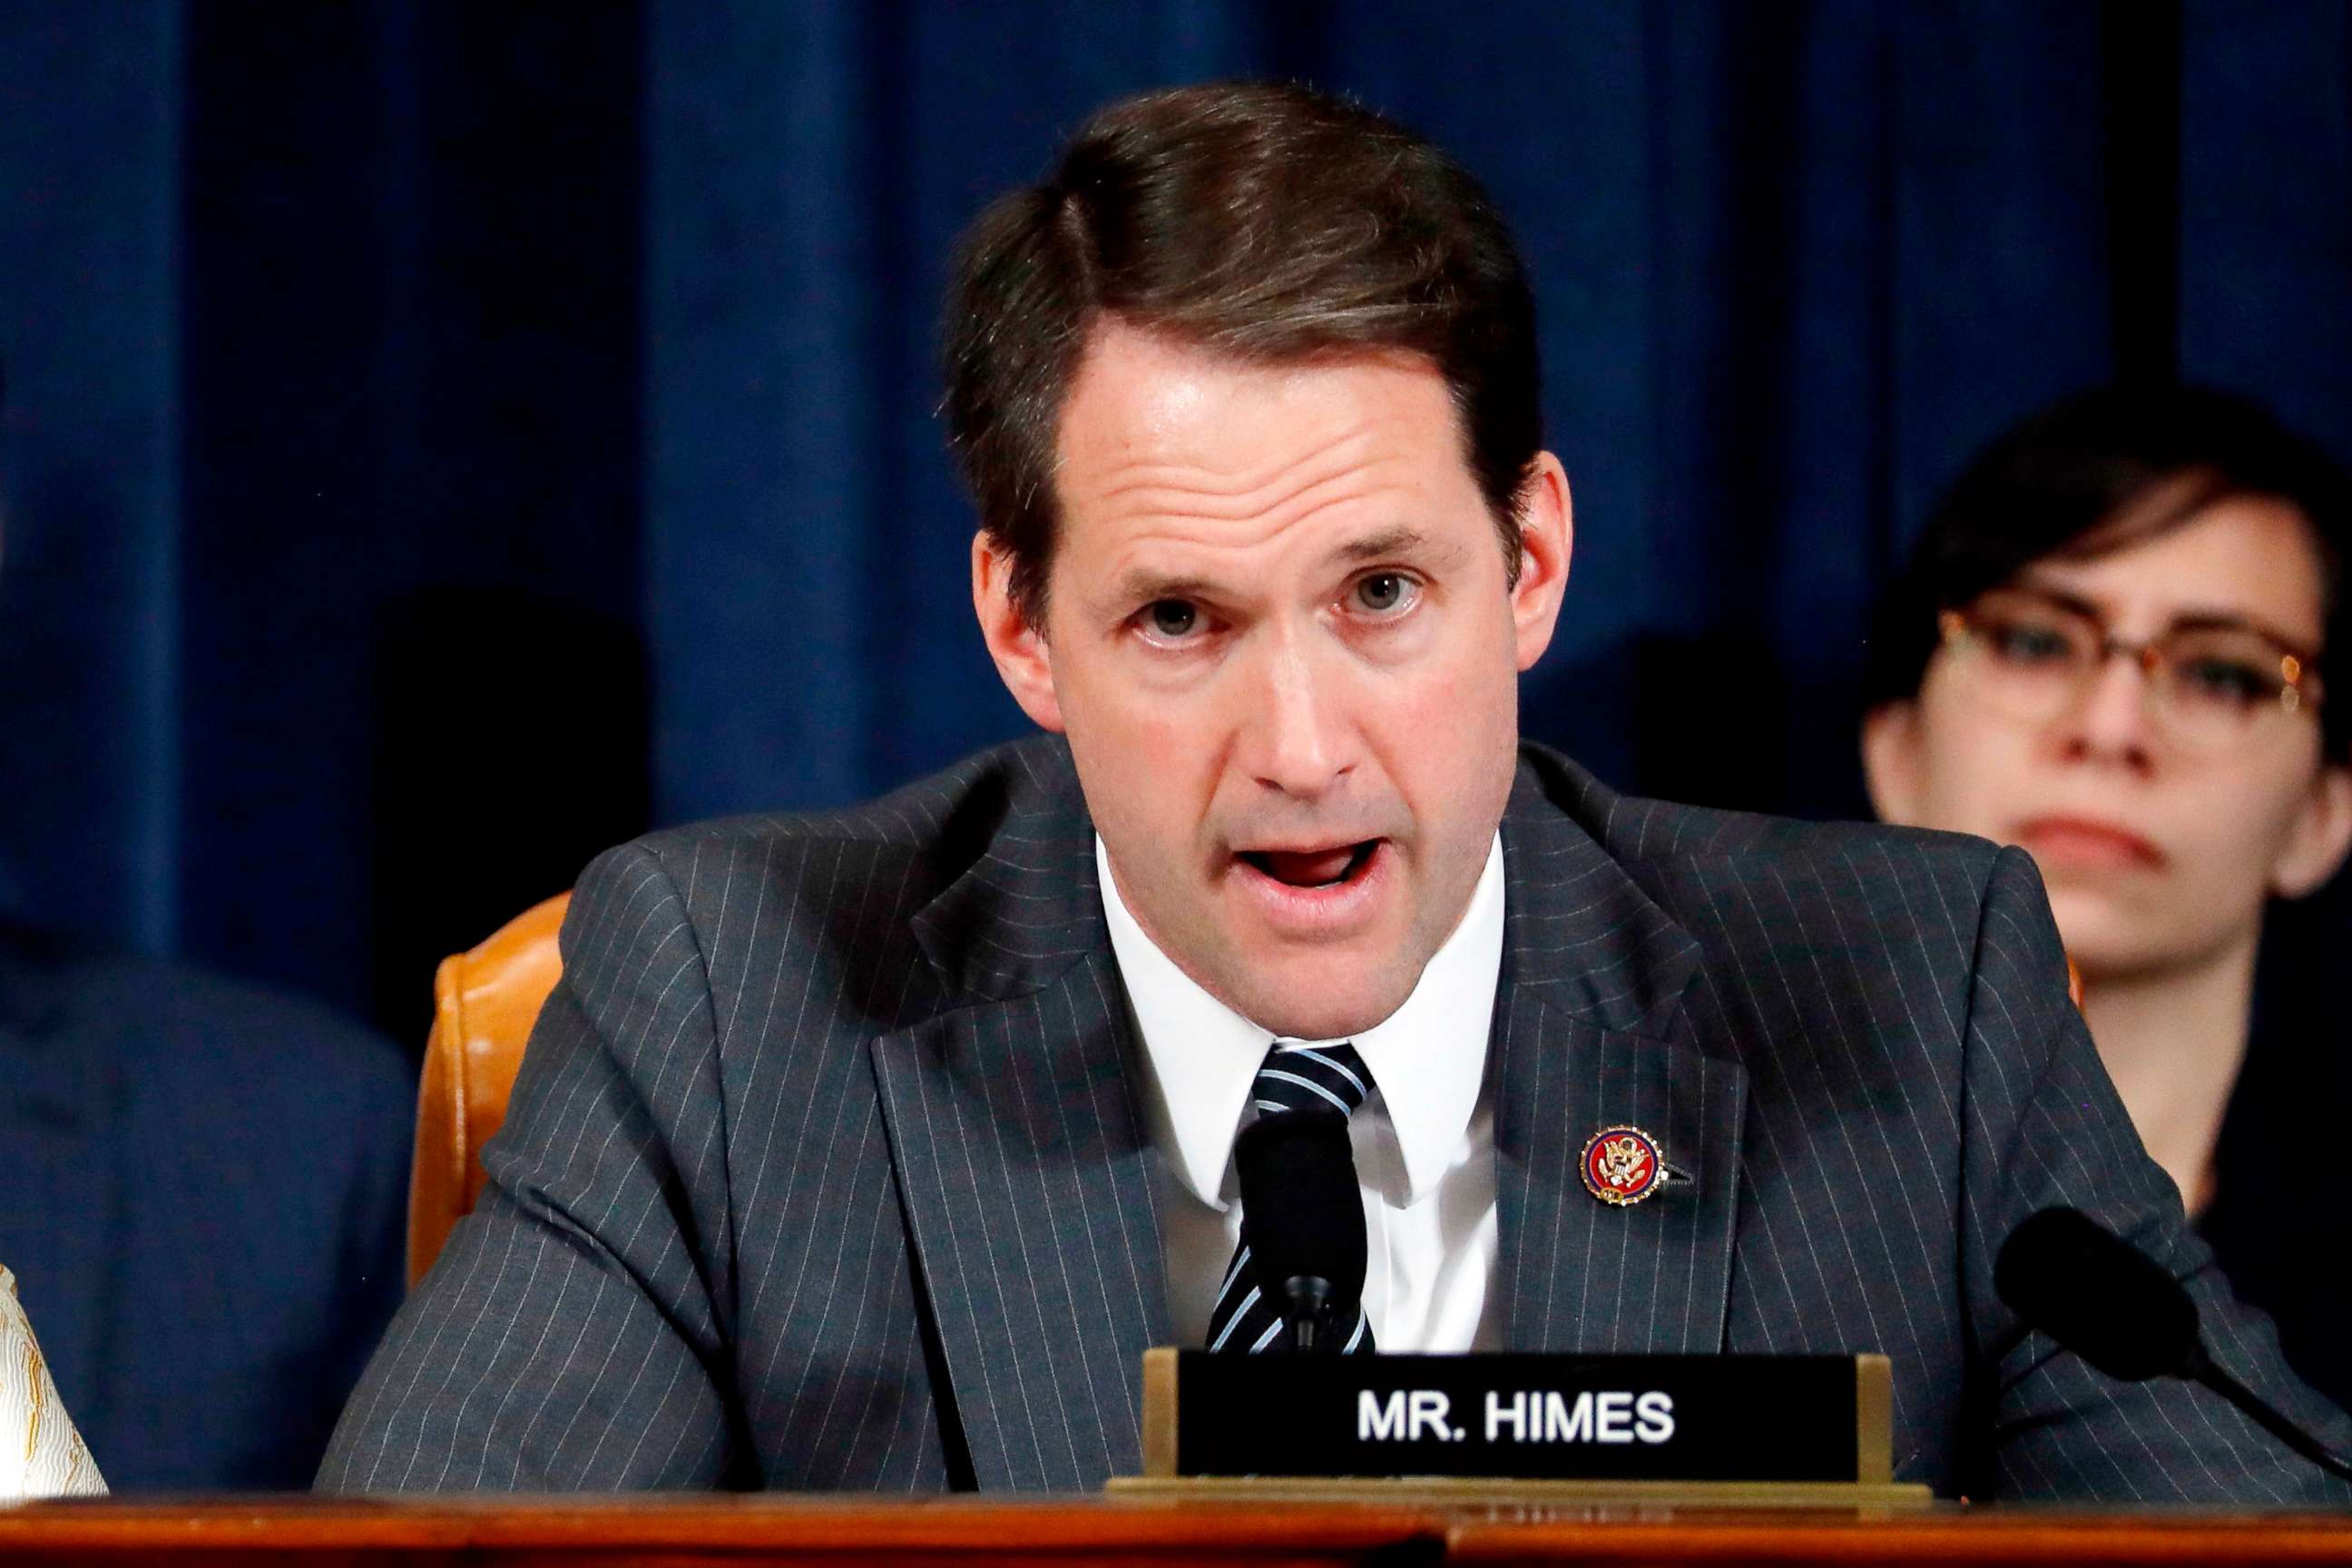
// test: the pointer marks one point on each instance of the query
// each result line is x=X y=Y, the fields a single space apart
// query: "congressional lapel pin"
x=1623 y=1166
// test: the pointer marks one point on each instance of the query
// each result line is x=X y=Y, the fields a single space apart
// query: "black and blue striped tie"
x=1293 y=1080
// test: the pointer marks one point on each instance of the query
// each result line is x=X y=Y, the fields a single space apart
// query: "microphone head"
x=2098 y=1296
x=1302 y=1211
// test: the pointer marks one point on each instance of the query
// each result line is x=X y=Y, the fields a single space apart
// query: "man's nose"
x=2108 y=720
x=1294 y=740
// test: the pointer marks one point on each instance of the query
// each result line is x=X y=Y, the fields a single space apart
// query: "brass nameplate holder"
x=1760 y=1431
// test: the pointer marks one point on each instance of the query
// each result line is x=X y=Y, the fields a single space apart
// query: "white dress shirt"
x=1424 y=1142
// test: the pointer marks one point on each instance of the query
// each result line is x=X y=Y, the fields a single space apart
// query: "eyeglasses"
x=2206 y=684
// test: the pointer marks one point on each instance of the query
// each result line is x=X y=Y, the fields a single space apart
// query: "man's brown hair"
x=1265 y=221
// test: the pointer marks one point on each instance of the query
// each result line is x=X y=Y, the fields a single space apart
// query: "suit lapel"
x=1023 y=1165
x=1590 y=1033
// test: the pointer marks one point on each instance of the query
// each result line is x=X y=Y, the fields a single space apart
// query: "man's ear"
x=1547 y=534
x=1893 y=767
x=2322 y=833
x=1022 y=660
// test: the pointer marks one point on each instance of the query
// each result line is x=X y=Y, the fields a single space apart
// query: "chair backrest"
x=484 y=1000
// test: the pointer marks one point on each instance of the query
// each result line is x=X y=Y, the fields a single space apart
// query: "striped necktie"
x=1293 y=1080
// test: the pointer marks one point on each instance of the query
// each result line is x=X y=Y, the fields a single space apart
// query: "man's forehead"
x=1138 y=377
x=1145 y=410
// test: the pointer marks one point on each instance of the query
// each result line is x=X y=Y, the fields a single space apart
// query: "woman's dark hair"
x=2099 y=471
x=1269 y=222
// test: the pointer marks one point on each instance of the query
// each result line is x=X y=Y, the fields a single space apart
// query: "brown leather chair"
x=483 y=1003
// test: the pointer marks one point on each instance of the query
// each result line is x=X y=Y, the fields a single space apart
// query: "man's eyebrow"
x=1146 y=586
x=1398 y=540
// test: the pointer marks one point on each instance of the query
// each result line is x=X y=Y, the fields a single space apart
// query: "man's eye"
x=1173 y=619
x=1384 y=593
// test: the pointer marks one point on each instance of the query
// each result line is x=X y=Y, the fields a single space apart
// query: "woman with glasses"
x=2114 y=647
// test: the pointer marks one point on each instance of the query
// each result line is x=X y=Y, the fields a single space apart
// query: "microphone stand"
x=2060 y=1259
x=2202 y=1368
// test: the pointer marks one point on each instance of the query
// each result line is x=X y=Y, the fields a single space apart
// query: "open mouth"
x=1312 y=867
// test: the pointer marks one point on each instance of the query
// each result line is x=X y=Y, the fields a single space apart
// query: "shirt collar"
x=1428 y=1058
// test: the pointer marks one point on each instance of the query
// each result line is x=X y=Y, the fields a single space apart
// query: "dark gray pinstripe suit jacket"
x=824 y=1168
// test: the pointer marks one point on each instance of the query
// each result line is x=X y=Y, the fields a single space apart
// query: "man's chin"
x=1320 y=1006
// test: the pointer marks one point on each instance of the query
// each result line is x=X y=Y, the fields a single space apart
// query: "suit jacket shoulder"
x=1787 y=924
x=697 y=1159
x=895 y=903
x=1689 y=856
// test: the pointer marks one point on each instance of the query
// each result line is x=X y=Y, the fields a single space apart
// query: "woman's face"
x=2160 y=843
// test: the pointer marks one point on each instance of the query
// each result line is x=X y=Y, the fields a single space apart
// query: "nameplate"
x=1518 y=1416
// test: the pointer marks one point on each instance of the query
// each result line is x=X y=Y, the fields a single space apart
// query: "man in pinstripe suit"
x=872 y=1150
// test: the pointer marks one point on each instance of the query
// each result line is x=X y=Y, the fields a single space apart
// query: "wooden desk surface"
x=287 y=1530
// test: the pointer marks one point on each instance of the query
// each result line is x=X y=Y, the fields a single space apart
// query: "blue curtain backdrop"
x=442 y=439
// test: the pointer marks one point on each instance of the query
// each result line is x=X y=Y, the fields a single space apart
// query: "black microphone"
x=2110 y=1303
x=1303 y=1221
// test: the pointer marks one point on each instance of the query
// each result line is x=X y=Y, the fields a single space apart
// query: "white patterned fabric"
x=41 y=1455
